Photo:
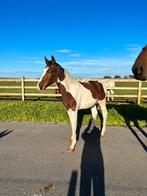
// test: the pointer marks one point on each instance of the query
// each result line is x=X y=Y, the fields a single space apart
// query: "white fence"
x=138 y=90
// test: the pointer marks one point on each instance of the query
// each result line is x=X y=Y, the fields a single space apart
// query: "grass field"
x=41 y=110
x=54 y=111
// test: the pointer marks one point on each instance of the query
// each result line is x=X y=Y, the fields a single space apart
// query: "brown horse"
x=139 y=68
x=75 y=95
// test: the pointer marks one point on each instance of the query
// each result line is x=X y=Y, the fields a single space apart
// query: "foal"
x=75 y=95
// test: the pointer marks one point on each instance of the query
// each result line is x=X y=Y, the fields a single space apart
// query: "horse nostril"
x=140 y=70
x=137 y=70
x=134 y=70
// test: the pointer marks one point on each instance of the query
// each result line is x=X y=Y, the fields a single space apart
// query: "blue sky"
x=90 y=38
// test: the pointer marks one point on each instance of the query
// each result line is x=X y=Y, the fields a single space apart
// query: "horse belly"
x=87 y=102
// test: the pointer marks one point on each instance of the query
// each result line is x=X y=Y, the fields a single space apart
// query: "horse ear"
x=53 y=59
x=145 y=47
x=46 y=60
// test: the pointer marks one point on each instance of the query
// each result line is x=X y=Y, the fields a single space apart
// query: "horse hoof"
x=71 y=149
x=101 y=136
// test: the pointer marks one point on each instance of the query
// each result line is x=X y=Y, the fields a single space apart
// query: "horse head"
x=51 y=73
x=139 y=68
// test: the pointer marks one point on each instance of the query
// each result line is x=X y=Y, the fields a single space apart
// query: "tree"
x=117 y=77
x=109 y=77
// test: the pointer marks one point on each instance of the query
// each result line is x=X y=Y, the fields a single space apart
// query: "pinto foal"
x=75 y=95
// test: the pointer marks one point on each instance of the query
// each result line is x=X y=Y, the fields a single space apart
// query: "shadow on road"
x=137 y=136
x=4 y=133
x=133 y=113
x=92 y=167
x=73 y=184
x=81 y=114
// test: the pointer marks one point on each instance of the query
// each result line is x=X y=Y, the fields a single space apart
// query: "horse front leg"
x=102 y=104
x=73 y=122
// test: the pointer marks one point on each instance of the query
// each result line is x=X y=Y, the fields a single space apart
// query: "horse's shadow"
x=133 y=113
x=81 y=114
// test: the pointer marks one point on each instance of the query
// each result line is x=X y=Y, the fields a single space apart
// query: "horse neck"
x=67 y=81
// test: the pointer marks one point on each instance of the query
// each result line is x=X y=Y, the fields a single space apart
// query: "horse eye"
x=52 y=71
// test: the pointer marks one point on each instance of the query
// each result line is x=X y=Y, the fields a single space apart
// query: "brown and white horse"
x=75 y=95
x=139 y=68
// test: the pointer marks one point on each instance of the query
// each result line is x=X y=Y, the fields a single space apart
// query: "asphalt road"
x=34 y=155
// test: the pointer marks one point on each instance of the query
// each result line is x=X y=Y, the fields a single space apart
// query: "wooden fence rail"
x=140 y=90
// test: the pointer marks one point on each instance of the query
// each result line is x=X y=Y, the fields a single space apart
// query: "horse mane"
x=70 y=78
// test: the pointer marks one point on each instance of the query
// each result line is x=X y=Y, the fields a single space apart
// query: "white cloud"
x=100 y=66
x=69 y=51
x=37 y=62
x=21 y=73
x=64 y=51
x=100 y=61
x=30 y=57
x=75 y=55
x=92 y=67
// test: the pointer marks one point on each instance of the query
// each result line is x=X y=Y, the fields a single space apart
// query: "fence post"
x=22 y=88
x=139 y=92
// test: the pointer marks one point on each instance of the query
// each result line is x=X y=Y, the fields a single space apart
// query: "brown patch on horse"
x=61 y=73
x=96 y=89
x=67 y=98
x=56 y=71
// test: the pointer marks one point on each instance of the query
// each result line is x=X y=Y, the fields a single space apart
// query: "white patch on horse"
x=83 y=99
x=43 y=74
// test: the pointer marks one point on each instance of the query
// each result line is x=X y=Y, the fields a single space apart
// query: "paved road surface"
x=34 y=155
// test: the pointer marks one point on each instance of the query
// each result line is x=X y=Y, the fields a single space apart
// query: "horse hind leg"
x=94 y=115
x=102 y=105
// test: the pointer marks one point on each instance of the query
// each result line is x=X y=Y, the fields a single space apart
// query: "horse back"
x=95 y=88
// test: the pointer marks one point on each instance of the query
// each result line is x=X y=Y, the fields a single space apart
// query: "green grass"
x=44 y=111
x=54 y=111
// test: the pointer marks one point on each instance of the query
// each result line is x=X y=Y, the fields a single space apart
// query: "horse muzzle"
x=40 y=86
x=138 y=72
